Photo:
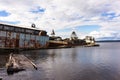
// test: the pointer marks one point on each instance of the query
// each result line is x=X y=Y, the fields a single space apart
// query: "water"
x=80 y=63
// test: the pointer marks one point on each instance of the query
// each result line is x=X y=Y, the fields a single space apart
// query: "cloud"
x=63 y=14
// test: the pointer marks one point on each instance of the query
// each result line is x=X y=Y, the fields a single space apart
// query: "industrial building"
x=13 y=37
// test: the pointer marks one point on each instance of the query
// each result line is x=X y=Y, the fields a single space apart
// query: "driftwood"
x=18 y=63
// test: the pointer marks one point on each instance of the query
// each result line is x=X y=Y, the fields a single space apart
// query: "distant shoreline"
x=109 y=41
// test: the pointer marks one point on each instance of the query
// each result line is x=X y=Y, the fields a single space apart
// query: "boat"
x=92 y=45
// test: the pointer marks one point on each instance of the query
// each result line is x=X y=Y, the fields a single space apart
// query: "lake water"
x=79 y=63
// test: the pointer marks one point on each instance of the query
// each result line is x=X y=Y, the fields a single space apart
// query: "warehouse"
x=13 y=37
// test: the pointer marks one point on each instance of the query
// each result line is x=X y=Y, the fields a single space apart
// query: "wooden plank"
x=18 y=62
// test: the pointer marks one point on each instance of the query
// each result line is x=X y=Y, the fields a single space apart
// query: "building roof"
x=25 y=27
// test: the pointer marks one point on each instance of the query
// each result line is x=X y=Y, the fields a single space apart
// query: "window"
x=1 y=27
x=22 y=30
x=29 y=31
x=9 y=28
x=3 y=33
x=36 y=32
x=6 y=28
x=17 y=29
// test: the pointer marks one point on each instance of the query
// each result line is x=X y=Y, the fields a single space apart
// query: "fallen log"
x=18 y=62
x=32 y=63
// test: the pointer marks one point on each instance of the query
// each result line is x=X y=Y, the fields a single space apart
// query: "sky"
x=97 y=18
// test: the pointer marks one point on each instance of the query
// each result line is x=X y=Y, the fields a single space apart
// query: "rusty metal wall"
x=38 y=45
x=13 y=40
x=21 y=40
x=2 y=38
x=43 y=40
x=32 y=41
x=8 y=39
x=27 y=40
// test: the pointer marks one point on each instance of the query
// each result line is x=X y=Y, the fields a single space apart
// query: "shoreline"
x=18 y=50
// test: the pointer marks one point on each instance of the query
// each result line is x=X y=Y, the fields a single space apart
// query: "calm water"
x=80 y=63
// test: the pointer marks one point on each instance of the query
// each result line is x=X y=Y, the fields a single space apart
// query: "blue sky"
x=83 y=28
x=4 y=13
x=100 y=19
x=38 y=10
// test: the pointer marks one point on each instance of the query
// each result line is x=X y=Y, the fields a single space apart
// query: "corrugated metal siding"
x=13 y=40
x=2 y=38
x=27 y=40
x=32 y=41
x=14 y=37
x=22 y=40
x=38 y=42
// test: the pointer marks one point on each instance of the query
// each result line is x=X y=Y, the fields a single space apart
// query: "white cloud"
x=61 y=14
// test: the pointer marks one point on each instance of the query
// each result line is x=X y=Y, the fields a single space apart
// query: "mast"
x=53 y=33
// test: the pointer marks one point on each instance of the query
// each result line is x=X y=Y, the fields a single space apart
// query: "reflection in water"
x=91 y=63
